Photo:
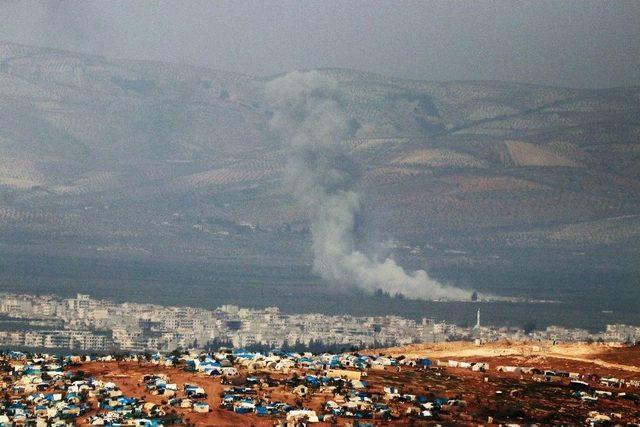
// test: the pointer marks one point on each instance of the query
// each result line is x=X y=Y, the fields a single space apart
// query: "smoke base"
x=309 y=118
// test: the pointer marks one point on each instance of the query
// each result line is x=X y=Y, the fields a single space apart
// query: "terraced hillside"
x=126 y=159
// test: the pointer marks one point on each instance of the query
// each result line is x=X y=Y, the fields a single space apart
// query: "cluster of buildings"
x=340 y=380
x=88 y=324
x=618 y=333
x=48 y=390
x=291 y=388
x=343 y=381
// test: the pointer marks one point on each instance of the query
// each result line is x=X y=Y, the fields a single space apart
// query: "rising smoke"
x=308 y=116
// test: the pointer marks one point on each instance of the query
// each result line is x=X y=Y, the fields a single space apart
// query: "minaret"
x=478 y=320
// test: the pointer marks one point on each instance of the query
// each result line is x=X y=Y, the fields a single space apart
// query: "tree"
x=529 y=327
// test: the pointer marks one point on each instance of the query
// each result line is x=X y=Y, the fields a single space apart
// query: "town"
x=451 y=383
x=94 y=325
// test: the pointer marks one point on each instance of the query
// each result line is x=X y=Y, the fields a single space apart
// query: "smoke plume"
x=308 y=116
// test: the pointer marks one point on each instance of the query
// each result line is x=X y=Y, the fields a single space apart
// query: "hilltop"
x=619 y=358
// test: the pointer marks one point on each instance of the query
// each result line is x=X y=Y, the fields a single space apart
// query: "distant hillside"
x=143 y=159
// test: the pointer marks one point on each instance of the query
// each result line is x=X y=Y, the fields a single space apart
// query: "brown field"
x=128 y=377
x=487 y=394
x=603 y=359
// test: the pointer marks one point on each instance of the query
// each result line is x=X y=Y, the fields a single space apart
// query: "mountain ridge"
x=120 y=153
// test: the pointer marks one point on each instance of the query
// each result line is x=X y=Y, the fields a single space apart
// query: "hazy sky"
x=579 y=43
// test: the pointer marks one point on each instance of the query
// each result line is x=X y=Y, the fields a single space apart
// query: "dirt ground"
x=485 y=393
x=615 y=358
x=128 y=377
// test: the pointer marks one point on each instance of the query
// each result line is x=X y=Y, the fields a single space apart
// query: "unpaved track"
x=596 y=354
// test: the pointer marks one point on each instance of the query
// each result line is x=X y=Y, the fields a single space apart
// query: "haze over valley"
x=166 y=179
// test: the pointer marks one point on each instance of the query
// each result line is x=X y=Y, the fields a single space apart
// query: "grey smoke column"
x=308 y=116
